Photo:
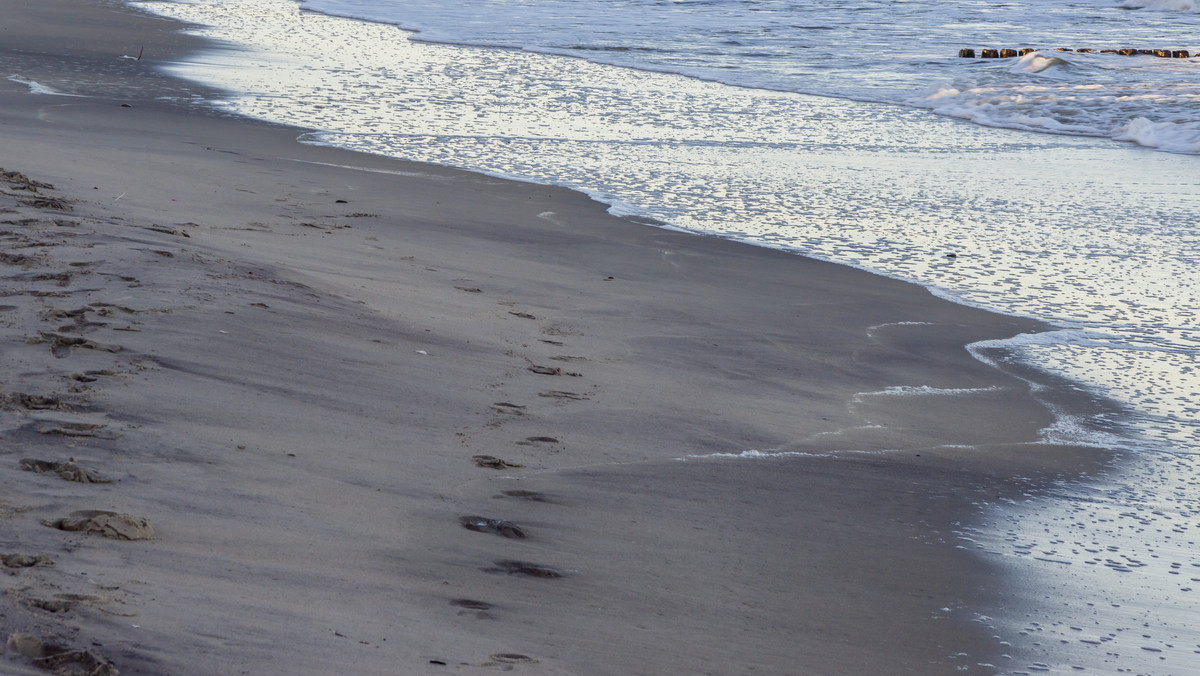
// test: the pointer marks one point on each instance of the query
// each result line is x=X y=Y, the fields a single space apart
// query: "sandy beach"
x=277 y=408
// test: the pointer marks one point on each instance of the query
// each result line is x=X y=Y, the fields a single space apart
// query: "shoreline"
x=1002 y=266
x=313 y=357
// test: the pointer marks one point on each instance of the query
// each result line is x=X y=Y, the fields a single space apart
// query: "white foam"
x=37 y=88
x=758 y=455
x=1173 y=136
x=1057 y=337
x=1037 y=62
x=924 y=391
x=882 y=326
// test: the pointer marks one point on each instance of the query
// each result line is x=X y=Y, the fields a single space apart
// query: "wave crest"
x=1179 y=137
x=1036 y=62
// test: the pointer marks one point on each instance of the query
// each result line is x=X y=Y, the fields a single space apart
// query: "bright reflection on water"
x=1114 y=568
x=1096 y=236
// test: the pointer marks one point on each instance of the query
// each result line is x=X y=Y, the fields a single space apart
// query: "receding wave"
x=1097 y=95
x=1181 y=137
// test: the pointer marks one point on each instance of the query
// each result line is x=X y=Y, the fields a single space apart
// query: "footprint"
x=71 y=429
x=563 y=357
x=123 y=278
x=492 y=462
x=50 y=606
x=524 y=568
x=33 y=402
x=61 y=314
x=108 y=524
x=512 y=658
x=469 y=289
x=171 y=231
x=479 y=608
x=529 y=441
x=25 y=560
x=559 y=394
x=60 y=345
x=68 y=471
x=552 y=371
x=63 y=278
x=522 y=315
x=482 y=524
x=91 y=376
x=20 y=181
x=60 y=659
x=511 y=409
x=532 y=496
x=45 y=203
x=110 y=306
x=61 y=603
x=82 y=325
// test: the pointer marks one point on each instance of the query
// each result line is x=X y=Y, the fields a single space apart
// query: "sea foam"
x=37 y=88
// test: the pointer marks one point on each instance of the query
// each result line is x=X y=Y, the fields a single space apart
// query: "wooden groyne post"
x=969 y=53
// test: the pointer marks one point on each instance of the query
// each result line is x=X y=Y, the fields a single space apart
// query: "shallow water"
x=1112 y=567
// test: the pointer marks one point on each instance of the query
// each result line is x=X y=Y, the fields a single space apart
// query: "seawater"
x=895 y=51
x=1066 y=186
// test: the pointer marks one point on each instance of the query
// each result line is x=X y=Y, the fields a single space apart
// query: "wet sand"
x=366 y=416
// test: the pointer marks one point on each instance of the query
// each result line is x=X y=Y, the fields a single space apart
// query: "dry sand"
x=298 y=369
